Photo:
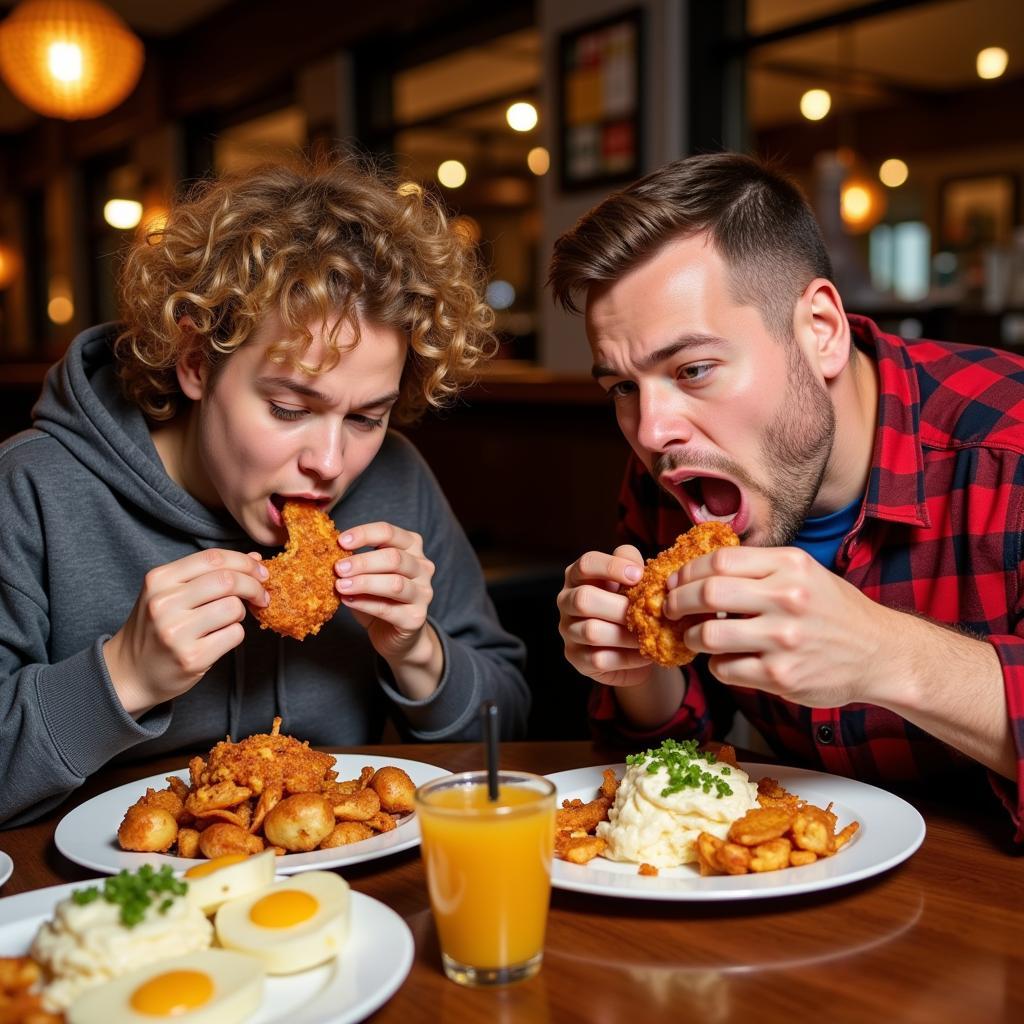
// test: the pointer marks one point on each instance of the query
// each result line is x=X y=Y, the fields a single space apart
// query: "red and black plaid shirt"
x=939 y=534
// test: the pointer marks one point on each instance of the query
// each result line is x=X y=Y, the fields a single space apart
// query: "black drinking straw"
x=489 y=717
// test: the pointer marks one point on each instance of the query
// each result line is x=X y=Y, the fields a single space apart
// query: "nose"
x=324 y=451
x=663 y=420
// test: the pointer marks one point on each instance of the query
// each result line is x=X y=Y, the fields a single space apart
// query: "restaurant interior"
x=899 y=118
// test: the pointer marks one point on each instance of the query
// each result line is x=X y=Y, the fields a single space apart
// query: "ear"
x=822 y=329
x=191 y=368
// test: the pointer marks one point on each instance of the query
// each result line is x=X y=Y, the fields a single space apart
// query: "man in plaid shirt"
x=873 y=618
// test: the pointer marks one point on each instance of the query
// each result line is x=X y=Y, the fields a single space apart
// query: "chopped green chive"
x=682 y=762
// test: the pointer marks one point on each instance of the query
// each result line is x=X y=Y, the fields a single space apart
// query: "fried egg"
x=295 y=923
x=226 y=878
x=212 y=987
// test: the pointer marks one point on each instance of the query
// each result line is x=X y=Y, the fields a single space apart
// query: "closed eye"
x=364 y=422
x=284 y=412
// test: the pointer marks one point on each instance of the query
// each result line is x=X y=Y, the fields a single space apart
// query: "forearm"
x=951 y=686
x=418 y=673
x=654 y=702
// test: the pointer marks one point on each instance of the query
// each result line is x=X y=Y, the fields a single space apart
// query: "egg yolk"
x=172 y=993
x=283 y=909
x=202 y=870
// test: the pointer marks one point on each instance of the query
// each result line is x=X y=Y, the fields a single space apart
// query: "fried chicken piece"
x=577 y=847
x=759 y=825
x=345 y=833
x=708 y=860
x=359 y=806
x=813 y=830
x=222 y=838
x=648 y=871
x=302 y=580
x=771 y=856
x=265 y=760
x=609 y=785
x=188 y=842
x=217 y=796
x=771 y=794
x=19 y=975
x=661 y=639
x=577 y=816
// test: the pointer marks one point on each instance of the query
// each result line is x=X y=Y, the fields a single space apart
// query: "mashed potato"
x=87 y=943
x=658 y=814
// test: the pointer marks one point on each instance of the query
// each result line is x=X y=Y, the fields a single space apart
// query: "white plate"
x=6 y=867
x=890 y=831
x=88 y=834
x=368 y=972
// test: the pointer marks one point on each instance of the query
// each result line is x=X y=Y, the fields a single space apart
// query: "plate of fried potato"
x=89 y=834
x=888 y=831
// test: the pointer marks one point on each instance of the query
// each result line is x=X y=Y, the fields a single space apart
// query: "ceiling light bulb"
x=815 y=104
x=992 y=61
x=64 y=61
x=452 y=173
x=521 y=116
x=122 y=213
x=893 y=172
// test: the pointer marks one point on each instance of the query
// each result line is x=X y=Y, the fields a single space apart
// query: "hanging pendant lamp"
x=71 y=59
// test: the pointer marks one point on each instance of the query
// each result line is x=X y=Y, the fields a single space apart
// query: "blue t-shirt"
x=821 y=536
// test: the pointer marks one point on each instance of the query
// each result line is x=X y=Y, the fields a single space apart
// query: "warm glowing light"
x=991 y=62
x=60 y=309
x=893 y=172
x=861 y=203
x=538 y=160
x=521 y=116
x=10 y=265
x=69 y=58
x=452 y=173
x=65 y=61
x=122 y=213
x=815 y=104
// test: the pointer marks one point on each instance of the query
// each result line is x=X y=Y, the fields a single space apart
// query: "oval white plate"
x=88 y=834
x=890 y=831
x=369 y=970
x=6 y=867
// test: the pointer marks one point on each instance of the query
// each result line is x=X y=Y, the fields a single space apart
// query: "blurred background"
x=900 y=119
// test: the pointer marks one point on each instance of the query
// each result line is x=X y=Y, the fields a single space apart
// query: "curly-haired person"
x=271 y=331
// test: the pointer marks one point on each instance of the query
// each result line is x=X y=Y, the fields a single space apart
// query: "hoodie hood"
x=83 y=408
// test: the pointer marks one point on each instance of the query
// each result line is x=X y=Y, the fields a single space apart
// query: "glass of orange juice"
x=488 y=867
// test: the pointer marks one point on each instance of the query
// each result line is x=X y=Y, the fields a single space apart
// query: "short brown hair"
x=757 y=219
x=308 y=240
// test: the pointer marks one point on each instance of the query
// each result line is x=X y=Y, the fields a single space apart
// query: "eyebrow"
x=652 y=359
x=320 y=396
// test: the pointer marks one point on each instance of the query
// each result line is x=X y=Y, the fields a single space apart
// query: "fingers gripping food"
x=661 y=639
x=301 y=582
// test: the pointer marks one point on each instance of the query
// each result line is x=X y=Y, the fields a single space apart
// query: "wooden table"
x=938 y=938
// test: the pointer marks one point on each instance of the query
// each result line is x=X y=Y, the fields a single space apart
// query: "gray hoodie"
x=86 y=509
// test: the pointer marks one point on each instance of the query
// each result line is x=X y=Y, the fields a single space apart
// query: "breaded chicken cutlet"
x=302 y=579
x=661 y=639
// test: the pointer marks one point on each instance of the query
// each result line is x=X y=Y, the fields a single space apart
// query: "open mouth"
x=712 y=499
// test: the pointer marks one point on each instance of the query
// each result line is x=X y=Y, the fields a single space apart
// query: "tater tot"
x=395 y=789
x=147 y=829
x=299 y=823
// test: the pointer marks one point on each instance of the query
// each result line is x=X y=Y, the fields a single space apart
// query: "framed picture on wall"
x=600 y=104
x=979 y=210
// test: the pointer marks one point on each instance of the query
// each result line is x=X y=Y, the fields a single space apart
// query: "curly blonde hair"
x=320 y=243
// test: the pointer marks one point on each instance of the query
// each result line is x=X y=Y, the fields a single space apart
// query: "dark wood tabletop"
x=937 y=938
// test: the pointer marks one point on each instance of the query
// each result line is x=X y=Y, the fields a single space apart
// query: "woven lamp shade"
x=71 y=59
